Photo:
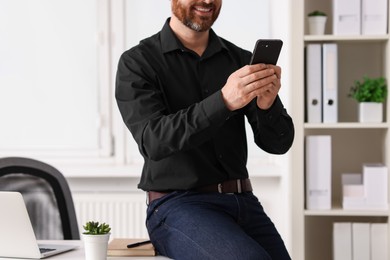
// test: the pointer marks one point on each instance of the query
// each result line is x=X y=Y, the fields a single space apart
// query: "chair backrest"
x=47 y=195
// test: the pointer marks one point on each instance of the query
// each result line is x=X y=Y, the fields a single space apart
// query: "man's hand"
x=259 y=80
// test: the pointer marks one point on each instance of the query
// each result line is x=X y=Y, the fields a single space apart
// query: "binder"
x=346 y=17
x=330 y=82
x=374 y=17
x=342 y=241
x=376 y=186
x=361 y=241
x=379 y=241
x=318 y=172
x=314 y=83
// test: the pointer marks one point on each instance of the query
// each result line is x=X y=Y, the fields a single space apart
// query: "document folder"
x=379 y=241
x=318 y=171
x=330 y=82
x=342 y=241
x=346 y=17
x=374 y=17
x=361 y=241
x=314 y=83
x=375 y=180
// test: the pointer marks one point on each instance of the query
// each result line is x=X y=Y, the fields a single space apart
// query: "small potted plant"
x=370 y=93
x=317 y=20
x=96 y=238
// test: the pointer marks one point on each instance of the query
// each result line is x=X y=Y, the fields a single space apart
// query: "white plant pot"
x=317 y=25
x=96 y=246
x=370 y=112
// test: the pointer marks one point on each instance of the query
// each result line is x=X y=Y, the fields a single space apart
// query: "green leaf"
x=93 y=228
x=369 y=90
x=317 y=13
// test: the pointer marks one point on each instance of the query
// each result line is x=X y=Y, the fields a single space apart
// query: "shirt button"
x=220 y=156
x=206 y=91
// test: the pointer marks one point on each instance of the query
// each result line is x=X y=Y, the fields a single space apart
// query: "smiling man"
x=185 y=93
x=199 y=18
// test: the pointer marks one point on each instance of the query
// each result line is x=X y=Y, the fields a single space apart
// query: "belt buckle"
x=238 y=184
x=219 y=186
x=147 y=198
x=239 y=187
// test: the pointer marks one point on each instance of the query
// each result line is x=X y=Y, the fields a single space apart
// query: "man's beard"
x=192 y=20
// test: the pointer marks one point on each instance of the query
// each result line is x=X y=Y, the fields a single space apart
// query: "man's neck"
x=195 y=41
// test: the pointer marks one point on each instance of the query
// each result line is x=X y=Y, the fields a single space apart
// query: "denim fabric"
x=192 y=225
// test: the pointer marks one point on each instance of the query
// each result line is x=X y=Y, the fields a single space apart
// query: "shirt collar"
x=169 y=41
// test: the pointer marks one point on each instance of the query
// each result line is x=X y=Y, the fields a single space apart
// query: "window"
x=53 y=73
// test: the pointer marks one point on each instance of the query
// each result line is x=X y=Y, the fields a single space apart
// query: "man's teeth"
x=203 y=9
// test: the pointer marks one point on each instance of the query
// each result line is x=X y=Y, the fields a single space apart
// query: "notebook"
x=118 y=247
x=17 y=238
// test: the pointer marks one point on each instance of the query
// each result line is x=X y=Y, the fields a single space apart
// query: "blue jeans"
x=193 y=225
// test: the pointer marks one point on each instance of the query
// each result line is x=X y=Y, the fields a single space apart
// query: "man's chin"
x=200 y=26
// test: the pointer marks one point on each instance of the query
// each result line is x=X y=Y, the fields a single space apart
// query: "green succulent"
x=369 y=90
x=317 y=13
x=94 y=228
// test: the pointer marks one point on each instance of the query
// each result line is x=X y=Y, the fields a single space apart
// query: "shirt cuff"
x=271 y=114
x=215 y=108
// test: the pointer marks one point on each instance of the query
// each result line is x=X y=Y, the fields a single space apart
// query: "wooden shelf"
x=346 y=38
x=346 y=126
x=343 y=212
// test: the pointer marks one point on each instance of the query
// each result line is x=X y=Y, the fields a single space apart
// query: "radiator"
x=125 y=212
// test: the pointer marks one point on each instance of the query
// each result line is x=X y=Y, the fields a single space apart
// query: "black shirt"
x=171 y=101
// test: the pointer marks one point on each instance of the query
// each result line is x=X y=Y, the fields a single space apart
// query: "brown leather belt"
x=230 y=186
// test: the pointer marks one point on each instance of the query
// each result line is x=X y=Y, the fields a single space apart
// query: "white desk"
x=78 y=254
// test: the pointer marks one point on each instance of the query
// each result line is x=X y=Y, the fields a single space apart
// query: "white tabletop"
x=78 y=254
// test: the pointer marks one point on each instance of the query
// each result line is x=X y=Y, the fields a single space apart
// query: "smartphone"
x=266 y=51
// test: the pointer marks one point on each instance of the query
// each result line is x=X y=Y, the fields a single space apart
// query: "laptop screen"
x=17 y=238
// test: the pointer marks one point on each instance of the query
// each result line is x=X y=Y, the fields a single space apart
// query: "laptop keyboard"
x=44 y=250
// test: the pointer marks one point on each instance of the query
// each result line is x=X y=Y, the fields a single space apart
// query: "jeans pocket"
x=160 y=208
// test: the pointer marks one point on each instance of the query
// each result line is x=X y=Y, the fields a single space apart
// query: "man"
x=184 y=94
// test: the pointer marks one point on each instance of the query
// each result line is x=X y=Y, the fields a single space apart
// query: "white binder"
x=375 y=182
x=330 y=82
x=318 y=172
x=374 y=17
x=379 y=241
x=314 y=83
x=342 y=241
x=346 y=17
x=361 y=241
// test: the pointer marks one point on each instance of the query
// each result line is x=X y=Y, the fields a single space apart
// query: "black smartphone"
x=266 y=51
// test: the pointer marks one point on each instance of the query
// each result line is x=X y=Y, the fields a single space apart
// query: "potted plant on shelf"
x=370 y=93
x=96 y=238
x=317 y=21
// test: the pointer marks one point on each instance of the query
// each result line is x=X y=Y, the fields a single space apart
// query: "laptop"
x=17 y=238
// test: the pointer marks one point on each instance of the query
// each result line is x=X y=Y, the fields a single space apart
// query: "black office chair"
x=47 y=196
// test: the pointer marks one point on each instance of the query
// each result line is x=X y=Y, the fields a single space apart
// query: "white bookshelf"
x=353 y=143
